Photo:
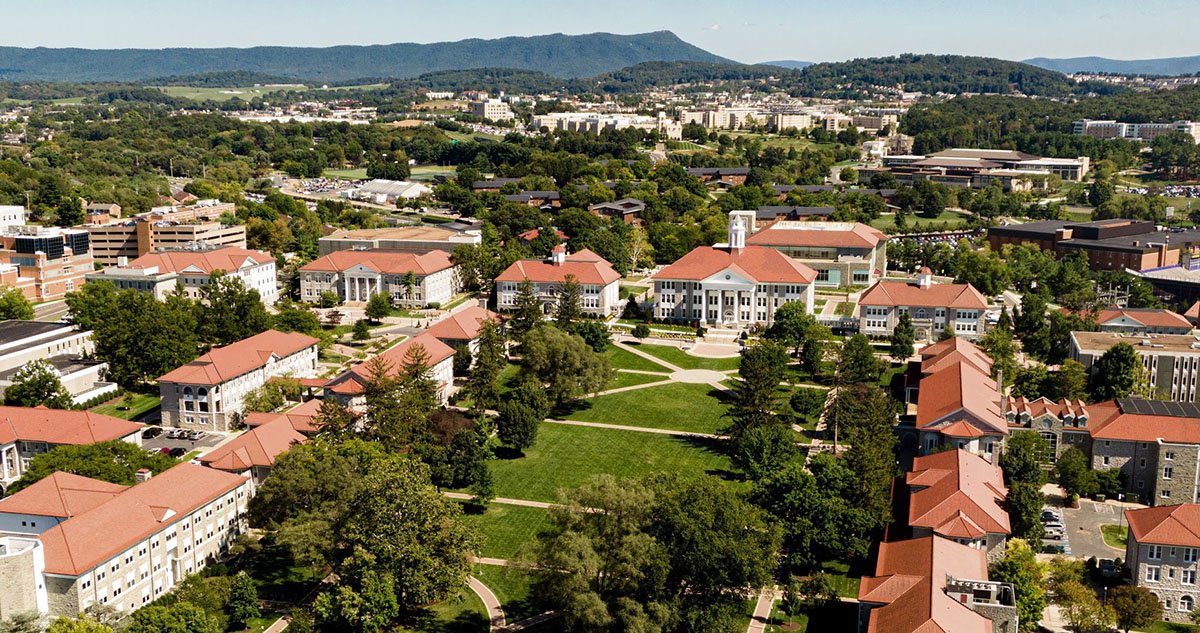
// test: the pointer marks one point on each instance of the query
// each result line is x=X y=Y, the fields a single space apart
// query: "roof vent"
x=143 y=475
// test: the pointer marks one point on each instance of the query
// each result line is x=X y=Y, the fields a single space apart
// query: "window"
x=1168 y=471
x=1186 y=604
x=1188 y=577
x=1154 y=552
x=1165 y=494
x=1052 y=446
x=1152 y=574
x=1169 y=455
x=1189 y=554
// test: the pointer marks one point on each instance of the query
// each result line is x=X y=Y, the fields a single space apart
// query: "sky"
x=743 y=30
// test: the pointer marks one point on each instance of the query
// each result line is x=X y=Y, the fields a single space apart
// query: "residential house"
x=358 y=275
x=349 y=387
x=842 y=253
x=627 y=210
x=71 y=543
x=960 y=496
x=732 y=284
x=933 y=584
x=597 y=281
x=208 y=393
x=66 y=347
x=195 y=269
x=1172 y=362
x=1154 y=443
x=1161 y=554
x=932 y=307
x=28 y=432
x=1062 y=424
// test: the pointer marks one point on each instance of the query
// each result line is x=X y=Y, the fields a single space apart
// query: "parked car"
x=195 y=435
x=177 y=452
x=1108 y=568
x=1050 y=515
x=151 y=432
x=1054 y=525
x=166 y=450
x=1055 y=533
x=173 y=433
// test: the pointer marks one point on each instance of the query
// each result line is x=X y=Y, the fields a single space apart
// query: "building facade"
x=1172 y=362
x=133 y=238
x=44 y=263
x=26 y=432
x=1113 y=244
x=598 y=281
x=194 y=270
x=1062 y=424
x=1154 y=444
x=208 y=393
x=842 y=253
x=356 y=276
x=409 y=239
x=933 y=308
x=66 y=347
x=1161 y=554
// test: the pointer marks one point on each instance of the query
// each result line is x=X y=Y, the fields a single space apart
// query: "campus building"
x=1062 y=424
x=598 y=281
x=959 y=405
x=492 y=109
x=461 y=328
x=357 y=275
x=1114 y=244
x=627 y=210
x=66 y=347
x=959 y=496
x=252 y=454
x=1161 y=554
x=68 y=543
x=1154 y=443
x=192 y=270
x=1142 y=321
x=842 y=253
x=732 y=284
x=208 y=393
x=44 y=263
x=933 y=308
x=409 y=239
x=1134 y=131
x=26 y=432
x=1172 y=362
x=349 y=388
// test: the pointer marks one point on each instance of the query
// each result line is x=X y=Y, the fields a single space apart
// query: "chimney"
x=924 y=277
x=143 y=475
x=558 y=255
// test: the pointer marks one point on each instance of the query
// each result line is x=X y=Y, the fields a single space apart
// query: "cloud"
x=713 y=27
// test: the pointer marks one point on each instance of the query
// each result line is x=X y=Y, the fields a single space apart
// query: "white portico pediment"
x=728 y=279
x=360 y=269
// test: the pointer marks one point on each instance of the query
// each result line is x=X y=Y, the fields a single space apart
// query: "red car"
x=165 y=450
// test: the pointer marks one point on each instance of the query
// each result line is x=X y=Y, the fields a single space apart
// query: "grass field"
x=1115 y=536
x=915 y=221
x=142 y=404
x=684 y=360
x=513 y=588
x=247 y=93
x=507 y=528
x=359 y=173
x=626 y=379
x=461 y=612
x=569 y=456
x=1170 y=627
x=676 y=406
x=427 y=172
x=625 y=359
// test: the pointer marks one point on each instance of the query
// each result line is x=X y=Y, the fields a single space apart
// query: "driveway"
x=203 y=444
x=1083 y=528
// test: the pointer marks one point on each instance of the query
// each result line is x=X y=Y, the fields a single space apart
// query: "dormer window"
x=1024 y=417
x=1011 y=416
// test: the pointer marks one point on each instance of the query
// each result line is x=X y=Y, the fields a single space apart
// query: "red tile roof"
x=585 y=266
x=1166 y=525
x=960 y=393
x=1193 y=313
x=257 y=447
x=910 y=580
x=60 y=495
x=818 y=235
x=961 y=495
x=91 y=538
x=462 y=325
x=382 y=261
x=756 y=263
x=899 y=293
x=1148 y=317
x=352 y=381
x=61 y=426
x=226 y=259
x=1108 y=422
x=301 y=416
x=1041 y=406
x=225 y=363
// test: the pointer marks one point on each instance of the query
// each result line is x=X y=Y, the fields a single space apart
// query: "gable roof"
x=586 y=266
x=899 y=293
x=354 y=379
x=818 y=234
x=256 y=448
x=910 y=580
x=301 y=417
x=960 y=392
x=61 y=426
x=757 y=263
x=462 y=325
x=961 y=495
x=1177 y=525
x=954 y=350
x=228 y=259
x=1149 y=317
x=1038 y=407
x=60 y=495
x=382 y=261
x=1110 y=420
x=90 y=538
x=225 y=363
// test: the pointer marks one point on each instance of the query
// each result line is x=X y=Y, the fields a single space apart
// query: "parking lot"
x=1083 y=528
x=203 y=444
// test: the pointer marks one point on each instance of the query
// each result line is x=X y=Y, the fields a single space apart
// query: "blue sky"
x=744 y=30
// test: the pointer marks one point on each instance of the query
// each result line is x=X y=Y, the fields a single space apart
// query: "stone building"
x=933 y=308
x=358 y=275
x=1154 y=443
x=1062 y=424
x=1161 y=555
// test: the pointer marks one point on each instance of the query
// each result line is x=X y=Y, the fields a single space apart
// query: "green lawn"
x=461 y=612
x=261 y=623
x=950 y=218
x=142 y=404
x=513 y=588
x=676 y=406
x=671 y=327
x=625 y=359
x=684 y=360
x=569 y=456
x=626 y=379
x=1115 y=536
x=846 y=584
x=1170 y=627
x=844 y=308
x=359 y=173
x=507 y=528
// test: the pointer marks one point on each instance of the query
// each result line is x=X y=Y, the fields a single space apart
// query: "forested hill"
x=557 y=54
x=1160 y=66
x=935 y=73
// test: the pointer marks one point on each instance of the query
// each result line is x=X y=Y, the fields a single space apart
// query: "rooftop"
x=958 y=495
x=257 y=447
x=61 y=426
x=910 y=582
x=586 y=266
x=382 y=261
x=462 y=325
x=899 y=293
x=206 y=262
x=226 y=363
x=1177 y=526
x=755 y=263
x=1100 y=342
x=818 y=234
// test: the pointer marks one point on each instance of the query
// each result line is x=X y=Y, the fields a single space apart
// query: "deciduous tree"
x=37 y=384
x=1133 y=607
x=563 y=364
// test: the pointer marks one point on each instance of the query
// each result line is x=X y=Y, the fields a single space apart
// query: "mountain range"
x=1160 y=66
x=557 y=54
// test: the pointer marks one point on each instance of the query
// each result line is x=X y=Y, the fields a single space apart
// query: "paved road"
x=1083 y=528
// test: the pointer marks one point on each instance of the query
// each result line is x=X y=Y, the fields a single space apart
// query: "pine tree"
x=528 y=312
x=569 y=310
x=902 y=338
x=483 y=382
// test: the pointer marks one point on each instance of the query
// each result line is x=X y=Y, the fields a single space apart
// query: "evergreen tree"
x=756 y=395
x=362 y=331
x=483 y=381
x=857 y=362
x=527 y=313
x=902 y=338
x=570 y=302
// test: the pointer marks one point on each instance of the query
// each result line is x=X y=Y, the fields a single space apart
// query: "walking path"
x=461 y=496
x=762 y=610
x=277 y=626
x=650 y=357
x=491 y=604
x=639 y=429
x=529 y=622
